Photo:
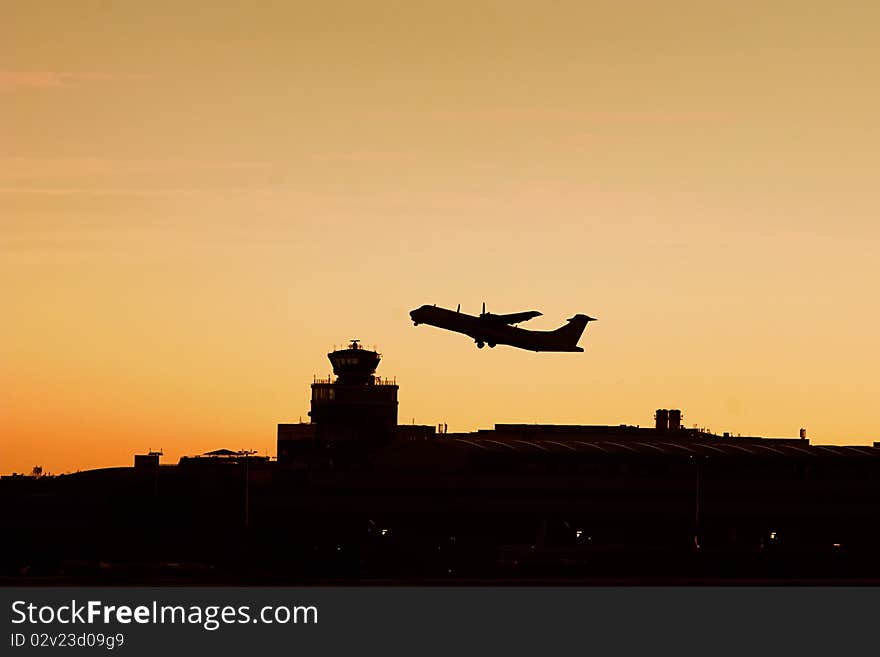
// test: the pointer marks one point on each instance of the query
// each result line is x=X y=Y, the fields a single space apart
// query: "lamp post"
x=247 y=485
x=697 y=494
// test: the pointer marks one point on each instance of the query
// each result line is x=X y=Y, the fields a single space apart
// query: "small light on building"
x=578 y=533
x=835 y=545
x=773 y=536
x=384 y=532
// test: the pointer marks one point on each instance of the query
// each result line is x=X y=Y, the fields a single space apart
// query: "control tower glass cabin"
x=358 y=408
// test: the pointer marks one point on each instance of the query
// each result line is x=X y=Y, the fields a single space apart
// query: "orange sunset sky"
x=199 y=199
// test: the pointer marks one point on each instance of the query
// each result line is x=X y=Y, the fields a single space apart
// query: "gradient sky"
x=198 y=199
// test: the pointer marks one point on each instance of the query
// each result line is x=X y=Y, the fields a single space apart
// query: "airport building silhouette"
x=355 y=494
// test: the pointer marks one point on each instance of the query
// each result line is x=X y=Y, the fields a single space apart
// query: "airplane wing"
x=513 y=318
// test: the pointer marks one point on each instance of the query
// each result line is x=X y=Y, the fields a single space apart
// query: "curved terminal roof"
x=767 y=448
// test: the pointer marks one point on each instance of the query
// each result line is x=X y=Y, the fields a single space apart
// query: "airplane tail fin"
x=566 y=337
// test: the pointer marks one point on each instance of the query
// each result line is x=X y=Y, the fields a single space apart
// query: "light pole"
x=696 y=460
x=247 y=485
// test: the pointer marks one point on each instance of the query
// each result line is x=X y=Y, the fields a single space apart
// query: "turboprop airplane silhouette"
x=491 y=329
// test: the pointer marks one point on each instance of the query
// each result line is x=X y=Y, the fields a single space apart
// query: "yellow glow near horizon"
x=197 y=202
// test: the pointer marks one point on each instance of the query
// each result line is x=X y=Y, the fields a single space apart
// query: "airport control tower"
x=359 y=409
